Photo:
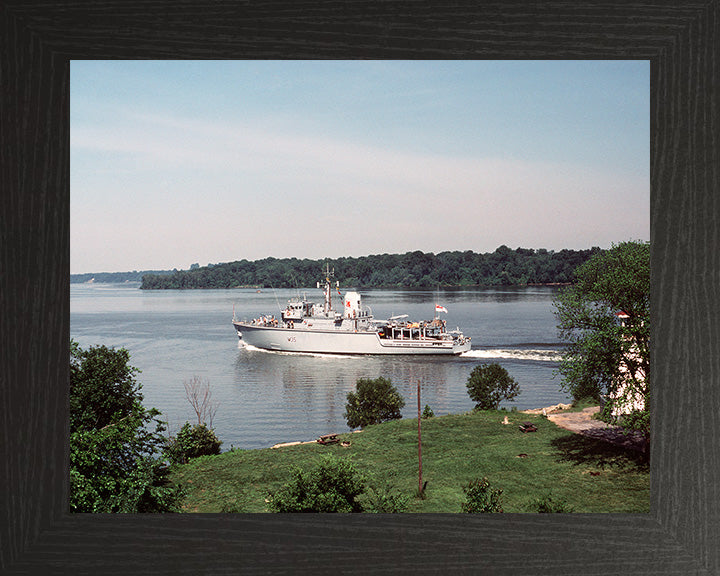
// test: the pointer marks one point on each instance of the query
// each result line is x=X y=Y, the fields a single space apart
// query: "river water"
x=269 y=397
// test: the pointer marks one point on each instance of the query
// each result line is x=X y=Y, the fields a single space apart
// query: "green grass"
x=589 y=475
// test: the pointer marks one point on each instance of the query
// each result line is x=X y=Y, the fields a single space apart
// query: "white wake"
x=514 y=354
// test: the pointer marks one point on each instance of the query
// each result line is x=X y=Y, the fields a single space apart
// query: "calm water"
x=270 y=397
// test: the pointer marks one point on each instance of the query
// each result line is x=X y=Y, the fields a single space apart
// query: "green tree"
x=103 y=388
x=116 y=444
x=374 y=402
x=605 y=319
x=490 y=384
x=332 y=486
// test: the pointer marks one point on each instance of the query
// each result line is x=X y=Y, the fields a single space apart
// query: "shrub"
x=192 y=441
x=376 y=401
x=332 y=486
x=427 y=412
x=107 y=476
x=549 y=504
x=385 y=500
x=481 y=498
x=489 y=384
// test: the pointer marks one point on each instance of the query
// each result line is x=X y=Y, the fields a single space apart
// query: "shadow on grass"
x=586 y=451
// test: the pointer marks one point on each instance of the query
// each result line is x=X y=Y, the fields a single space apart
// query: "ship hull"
x=338 y=341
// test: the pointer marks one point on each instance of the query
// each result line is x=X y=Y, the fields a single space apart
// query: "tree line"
x=115 y=277
x=503 y=267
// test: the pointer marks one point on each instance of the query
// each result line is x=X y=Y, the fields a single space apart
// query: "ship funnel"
x=352 y=305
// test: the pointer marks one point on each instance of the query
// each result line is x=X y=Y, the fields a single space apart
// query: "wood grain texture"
x=681 y=535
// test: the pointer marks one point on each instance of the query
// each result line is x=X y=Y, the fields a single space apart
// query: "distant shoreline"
x=457 y=269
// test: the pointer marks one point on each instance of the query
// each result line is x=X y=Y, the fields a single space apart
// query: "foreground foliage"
x=116 y=444
x=481 y=498
x=605 y=320
x=332 y=486
x=385 y=498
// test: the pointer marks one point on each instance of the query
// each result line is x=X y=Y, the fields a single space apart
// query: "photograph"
x=390 y=264
x=365 y=286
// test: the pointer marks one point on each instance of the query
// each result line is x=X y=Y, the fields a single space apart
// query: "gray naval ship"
x=309 y=327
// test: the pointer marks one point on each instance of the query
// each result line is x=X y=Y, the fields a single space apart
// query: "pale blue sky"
x=177 y=162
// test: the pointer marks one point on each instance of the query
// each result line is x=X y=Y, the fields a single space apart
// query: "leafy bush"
x=110 y=472
x=376 y=401
x=481 y=498
x=549 y=504
x=489 y=384
x=427 y=412
x=332 y=486
x=192 y=441
x=385 y=500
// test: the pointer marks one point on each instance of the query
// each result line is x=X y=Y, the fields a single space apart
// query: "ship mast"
x=328 y=294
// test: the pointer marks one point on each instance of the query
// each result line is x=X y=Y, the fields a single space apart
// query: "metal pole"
x=420 y=485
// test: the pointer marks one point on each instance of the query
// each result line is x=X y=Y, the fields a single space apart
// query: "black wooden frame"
x=680 y=535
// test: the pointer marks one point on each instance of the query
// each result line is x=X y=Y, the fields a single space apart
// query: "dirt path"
x=578 y=421
x=584 y=423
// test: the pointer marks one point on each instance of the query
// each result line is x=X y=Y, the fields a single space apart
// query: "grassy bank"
x=590 y=475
